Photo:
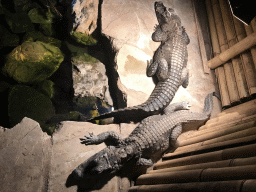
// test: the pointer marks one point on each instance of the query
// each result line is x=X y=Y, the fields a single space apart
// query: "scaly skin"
x=149 y=139
x=168 y=64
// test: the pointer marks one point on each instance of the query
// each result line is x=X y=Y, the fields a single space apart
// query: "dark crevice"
x=104 y=44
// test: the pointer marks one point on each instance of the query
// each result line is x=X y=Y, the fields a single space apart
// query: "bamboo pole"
x=218 y=136
x=226 y=124
x=219 y=72
x=249 y=32
x=247 y=61
x=230 y=153
x=228 y=68
x=253 y=24
x=215 y=164
x=239 y=108
x=197 y=175
x=233 y=51
x=202 y=147
x=231 y=116
x=232 y=40
x=235 y=127
x=215 y=186
x=250 y=122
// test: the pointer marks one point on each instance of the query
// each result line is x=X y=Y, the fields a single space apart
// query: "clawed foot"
x=149 y=63
x=88 y=140
x=144 y=162
x=186 y=105
x=156 y=27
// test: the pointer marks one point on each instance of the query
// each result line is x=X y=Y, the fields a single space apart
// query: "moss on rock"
x=81 y=54
x=46 y=87
x=25 y=101
x=19 y=22
x=32 y=36
x=33 y=62
x=83 y=38
x=8 y=39
x=38 y=15
x=44 y=18
x=38 y=36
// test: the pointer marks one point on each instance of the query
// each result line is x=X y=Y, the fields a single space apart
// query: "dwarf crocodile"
x=168 y=65
x=149 y=139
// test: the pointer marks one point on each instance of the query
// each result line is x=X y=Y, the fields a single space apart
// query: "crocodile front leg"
x=144 y=162
x=109 y=137
x=177 y=130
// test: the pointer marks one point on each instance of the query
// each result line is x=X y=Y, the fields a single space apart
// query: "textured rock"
x=85 y=14
x=45 y=19
x=24 y=157
x=25 y=101
x=91 y=80
x=33 y=61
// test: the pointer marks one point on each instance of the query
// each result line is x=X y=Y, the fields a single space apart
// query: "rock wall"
x=31 y=160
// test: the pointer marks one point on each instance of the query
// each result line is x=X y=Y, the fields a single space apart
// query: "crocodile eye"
x=170 y=10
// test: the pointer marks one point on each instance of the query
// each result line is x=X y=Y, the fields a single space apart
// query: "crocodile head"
x=167 y=18
x=107 y=161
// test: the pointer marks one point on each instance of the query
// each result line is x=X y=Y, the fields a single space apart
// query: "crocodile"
x=169 y=66
x=151 y=138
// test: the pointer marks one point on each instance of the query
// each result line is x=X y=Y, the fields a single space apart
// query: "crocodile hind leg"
x=185 y=77
x=109 y=137
x=175 y=134
x=158 y=67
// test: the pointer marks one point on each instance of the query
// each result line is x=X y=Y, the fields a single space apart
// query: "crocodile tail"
x=161 y=96
x=125 y=115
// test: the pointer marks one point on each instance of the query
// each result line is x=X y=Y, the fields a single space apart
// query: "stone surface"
x=24 y=157
x=90 y=80
x=33 y=61
x=85 y=15
x=44 y=17
x=30 y=160
x=129 y=30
